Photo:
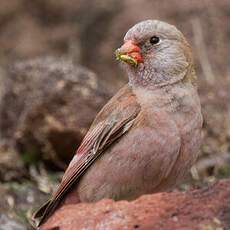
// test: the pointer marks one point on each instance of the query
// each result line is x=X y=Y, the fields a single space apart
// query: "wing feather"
x=110 y=125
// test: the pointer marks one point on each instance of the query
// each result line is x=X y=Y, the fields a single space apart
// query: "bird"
x=148 y=135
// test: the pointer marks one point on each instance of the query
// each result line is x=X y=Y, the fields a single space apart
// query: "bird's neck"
x=170 y=97
x=152 y=79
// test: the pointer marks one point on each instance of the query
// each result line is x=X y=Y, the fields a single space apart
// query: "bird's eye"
x=154 y=40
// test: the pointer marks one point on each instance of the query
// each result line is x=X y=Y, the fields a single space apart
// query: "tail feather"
x=41 y=215
x=47 y=209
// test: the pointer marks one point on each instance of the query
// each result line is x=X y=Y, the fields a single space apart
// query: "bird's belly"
x=134 y=166
x=154 y=156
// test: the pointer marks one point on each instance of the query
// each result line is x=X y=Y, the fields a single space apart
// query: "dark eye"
x=154 y=40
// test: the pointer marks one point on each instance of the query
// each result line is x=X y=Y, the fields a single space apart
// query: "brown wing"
x=114 y=120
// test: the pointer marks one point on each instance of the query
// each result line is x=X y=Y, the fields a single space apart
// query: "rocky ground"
x=207 y=208
x=47 y=102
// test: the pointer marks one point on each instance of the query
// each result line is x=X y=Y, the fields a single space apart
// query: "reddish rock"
x=207 y=208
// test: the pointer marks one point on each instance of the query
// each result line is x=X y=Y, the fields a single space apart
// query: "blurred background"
x=58 y=69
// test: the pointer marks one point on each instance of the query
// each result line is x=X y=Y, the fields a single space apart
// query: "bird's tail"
x=48 y=208
x=40 y=215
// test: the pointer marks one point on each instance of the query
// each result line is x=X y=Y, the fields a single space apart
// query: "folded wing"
x=114 y=120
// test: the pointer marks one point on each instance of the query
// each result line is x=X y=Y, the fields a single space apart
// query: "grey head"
x=166 y=55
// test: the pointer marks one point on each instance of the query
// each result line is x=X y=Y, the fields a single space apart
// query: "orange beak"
x=129 y=53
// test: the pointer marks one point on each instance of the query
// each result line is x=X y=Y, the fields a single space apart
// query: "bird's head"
x=155 y=53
